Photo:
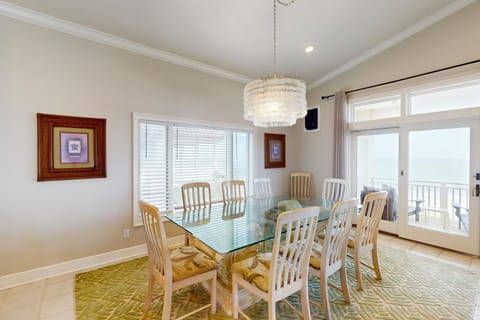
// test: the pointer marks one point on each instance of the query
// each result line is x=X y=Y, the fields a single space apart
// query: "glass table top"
x=235 y=225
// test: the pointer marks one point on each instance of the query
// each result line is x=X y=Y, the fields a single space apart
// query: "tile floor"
x=53 y=298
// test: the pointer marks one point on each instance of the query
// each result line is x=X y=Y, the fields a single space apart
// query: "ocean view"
x=436 y=170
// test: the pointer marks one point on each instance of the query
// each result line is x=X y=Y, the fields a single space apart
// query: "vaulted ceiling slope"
x=234 y=39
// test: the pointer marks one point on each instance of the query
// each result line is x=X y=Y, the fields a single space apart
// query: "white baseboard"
x=79 y=265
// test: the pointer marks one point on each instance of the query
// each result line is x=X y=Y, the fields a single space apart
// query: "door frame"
x=386 y=226
x=468 y=244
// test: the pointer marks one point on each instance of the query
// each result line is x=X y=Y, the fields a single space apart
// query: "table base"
x=224 y=297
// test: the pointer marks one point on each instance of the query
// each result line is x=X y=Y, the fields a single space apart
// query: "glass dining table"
x=232 y=232
x=229 y=227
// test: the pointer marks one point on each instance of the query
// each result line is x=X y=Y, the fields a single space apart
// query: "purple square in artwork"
x=74 y=147
x=275 y=152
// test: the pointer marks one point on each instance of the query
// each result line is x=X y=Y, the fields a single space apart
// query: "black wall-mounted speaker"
x=311 y=120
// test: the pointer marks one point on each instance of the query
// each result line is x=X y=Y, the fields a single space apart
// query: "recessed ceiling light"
x=309 y=49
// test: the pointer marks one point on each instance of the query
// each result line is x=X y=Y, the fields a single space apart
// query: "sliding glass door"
x=440 y=162
x=428 y=172
x=375 y=168
x=429 y=163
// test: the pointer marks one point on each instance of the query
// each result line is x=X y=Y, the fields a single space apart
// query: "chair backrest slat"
x=262 y=188
x=334 y=189
x=290 y=265
x=301 y=184
x=369 y=222
x=234 y=190
x=158 y=253
x=336 y=235
x=196 y=195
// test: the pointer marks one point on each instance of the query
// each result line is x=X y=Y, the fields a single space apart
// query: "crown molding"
x=74 y=29
x=417 y=27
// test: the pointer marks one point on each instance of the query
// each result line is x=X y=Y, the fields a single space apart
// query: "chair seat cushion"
x=320 y=232
x=351 y=239
x=188 y=261
x=255 y=270
x=225 y=261
x=225 y=264
x=316 y=255
x=287 y=205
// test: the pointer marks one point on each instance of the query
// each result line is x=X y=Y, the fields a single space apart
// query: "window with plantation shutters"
x=169 y=154
x=208 y=154
x=153 y=164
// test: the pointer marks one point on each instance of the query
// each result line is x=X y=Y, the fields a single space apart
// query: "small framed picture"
x=274 y=150
x=70 y=147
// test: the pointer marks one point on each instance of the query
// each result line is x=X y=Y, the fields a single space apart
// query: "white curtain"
x=340 y=135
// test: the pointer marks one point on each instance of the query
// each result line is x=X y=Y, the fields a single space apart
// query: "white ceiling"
x=237 y=36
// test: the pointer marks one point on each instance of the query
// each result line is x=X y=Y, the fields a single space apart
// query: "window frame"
x=172 y=121
x=405 y=91
x=364 y=102
x=407 y=120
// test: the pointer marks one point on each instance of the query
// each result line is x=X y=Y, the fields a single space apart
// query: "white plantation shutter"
x=172 y=154
x=241 y=156
x=153 y=160
x=208 y=154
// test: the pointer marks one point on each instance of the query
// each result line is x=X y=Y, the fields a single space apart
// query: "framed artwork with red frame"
x=274 y=150
x=70 y=147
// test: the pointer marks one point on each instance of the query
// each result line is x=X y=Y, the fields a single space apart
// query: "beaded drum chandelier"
x=276 y=101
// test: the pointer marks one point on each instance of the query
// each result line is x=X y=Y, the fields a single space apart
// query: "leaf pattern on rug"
x=413 y=287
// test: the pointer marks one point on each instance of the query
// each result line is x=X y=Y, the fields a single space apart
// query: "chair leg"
x=376 y=265
x=167 y=303
x=150 y=287
x=234 y=296
x=358 y=270
x=271 y=310
x=324 y=290
x=305 y=302
x=343 y=280
x=213 y=295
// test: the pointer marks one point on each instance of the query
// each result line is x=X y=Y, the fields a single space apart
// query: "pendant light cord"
x=275 y=37
x=275 y=31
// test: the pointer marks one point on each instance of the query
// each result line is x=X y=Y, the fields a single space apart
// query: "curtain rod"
x=403 y=79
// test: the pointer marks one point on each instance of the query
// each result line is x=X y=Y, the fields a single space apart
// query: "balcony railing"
x=434 y=194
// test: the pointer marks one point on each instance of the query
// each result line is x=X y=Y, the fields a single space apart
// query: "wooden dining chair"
x=174 y=268
x=196 y=195
x=301 y=185
x=364 y=238
x=277 y=275
x=262 y=188
x=334 y=189
x=330 y=257
x=234 y=190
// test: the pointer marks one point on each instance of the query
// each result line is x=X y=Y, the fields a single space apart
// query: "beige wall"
x=451 y=41
x=50 y=72
x=45 y=71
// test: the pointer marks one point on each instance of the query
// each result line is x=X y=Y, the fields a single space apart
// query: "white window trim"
x=137 y=117
x=363 y=102
x=405 y=92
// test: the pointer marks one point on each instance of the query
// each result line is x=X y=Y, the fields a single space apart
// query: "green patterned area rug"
x=413 y=287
